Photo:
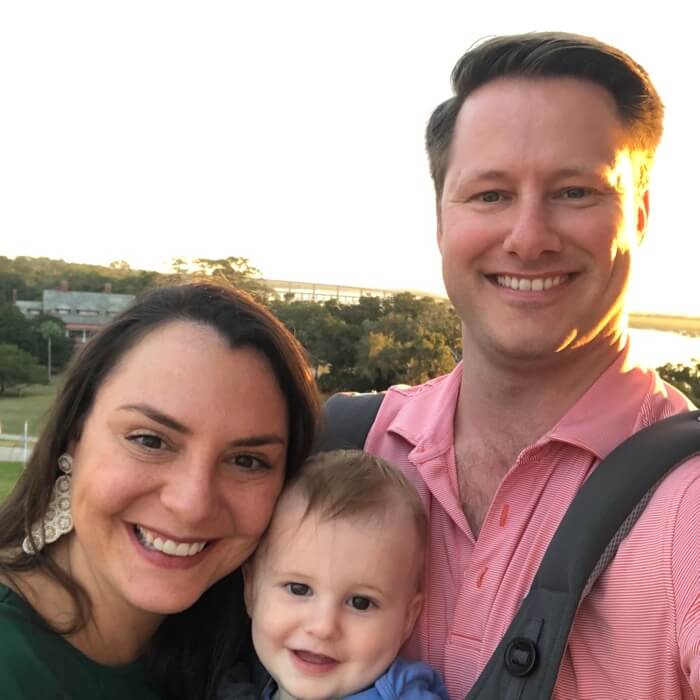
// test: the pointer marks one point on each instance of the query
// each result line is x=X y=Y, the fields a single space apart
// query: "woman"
x=156 y=474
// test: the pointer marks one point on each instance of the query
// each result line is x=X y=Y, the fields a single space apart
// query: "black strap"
x=346 y=421
x=525 y=665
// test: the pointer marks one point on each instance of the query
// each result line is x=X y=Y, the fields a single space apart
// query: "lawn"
x=9 y=471
x=30 y=406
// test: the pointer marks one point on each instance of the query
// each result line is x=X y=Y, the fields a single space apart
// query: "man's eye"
x=300 y=589
x=150 y=442
x=490 y=197
x=359 y=602
x=576 y=192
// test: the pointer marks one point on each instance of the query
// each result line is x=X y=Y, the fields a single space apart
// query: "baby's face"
x=333 y=601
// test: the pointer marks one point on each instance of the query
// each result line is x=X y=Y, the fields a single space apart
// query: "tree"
x=17 y=330
x=376 y=342
x=401 y=349
x=233 y=270
x=684 y=378
x=18 y=367
x=53 y=333
x=315 y=328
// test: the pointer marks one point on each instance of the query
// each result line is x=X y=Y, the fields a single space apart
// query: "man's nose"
x=532 y=232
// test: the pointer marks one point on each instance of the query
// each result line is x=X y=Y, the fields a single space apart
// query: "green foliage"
x=16 y=329
x=684 y=378
x=18 y=367
x=375 y=343
x=53 y=328
x=9 y=473
x=30 y=276
x=32 y=406
x=234 y=271
x=31 y=335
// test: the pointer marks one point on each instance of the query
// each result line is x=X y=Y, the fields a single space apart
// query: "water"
x=656 y=348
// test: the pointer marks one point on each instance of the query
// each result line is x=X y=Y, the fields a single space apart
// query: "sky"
x=289 y=132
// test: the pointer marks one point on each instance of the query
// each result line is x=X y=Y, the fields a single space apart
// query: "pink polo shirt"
x=637 y=635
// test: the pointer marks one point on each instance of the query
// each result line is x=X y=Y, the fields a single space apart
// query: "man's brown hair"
x=551 y=55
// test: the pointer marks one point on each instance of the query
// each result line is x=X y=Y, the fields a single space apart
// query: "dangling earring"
x=58 y=519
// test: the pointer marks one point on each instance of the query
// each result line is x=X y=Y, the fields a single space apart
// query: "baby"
x=334 y=588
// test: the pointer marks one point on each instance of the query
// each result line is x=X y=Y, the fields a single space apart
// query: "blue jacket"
x=408 y=680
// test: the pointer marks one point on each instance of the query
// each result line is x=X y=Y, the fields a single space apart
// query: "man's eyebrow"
x=482 y=175
x=157 y=416
x=576 y=172
x=502 y=174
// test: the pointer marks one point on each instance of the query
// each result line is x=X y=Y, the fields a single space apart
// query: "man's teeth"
x=174 y=549
x=531 y=285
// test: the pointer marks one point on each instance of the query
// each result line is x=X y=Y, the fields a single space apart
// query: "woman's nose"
x=189 y=491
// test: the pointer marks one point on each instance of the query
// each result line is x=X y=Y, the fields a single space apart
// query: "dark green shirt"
x=36 y=664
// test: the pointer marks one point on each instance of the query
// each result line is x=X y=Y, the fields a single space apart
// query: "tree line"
x=403 y=339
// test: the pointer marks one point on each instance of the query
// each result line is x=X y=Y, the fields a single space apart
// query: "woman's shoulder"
x=37 y=662
x=24 y=672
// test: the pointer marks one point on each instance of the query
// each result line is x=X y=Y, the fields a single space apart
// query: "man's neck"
x=515 y=403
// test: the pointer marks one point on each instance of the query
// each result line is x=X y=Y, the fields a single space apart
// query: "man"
x=540 y=163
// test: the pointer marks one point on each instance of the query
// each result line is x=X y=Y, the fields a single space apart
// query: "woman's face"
x=177 y=470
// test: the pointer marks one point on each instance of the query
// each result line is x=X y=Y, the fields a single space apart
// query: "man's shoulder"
x=433 y=389
x=419 y=411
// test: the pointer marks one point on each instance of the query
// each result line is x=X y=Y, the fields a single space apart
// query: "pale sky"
x=288 y=132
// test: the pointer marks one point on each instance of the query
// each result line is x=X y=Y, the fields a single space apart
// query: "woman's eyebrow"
x=257 y=440
x=170 y=422
x=157 y=416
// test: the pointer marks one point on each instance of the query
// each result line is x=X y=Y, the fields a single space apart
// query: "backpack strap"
x=346 y=421
x=525 y=665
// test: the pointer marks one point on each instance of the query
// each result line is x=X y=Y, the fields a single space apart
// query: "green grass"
x=9 y=472
x=30 y=406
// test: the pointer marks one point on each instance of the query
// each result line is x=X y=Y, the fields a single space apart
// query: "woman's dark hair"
x=550 y=55
x=193 y=648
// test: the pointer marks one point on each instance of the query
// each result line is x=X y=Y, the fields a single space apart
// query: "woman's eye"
x=248 y=462
x=150 y=442
x=300 y=589
x=359 y=602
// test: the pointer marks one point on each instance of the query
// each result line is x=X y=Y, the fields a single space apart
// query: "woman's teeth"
x=173 y=549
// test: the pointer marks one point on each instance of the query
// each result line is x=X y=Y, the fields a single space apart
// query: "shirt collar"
x=610 y=408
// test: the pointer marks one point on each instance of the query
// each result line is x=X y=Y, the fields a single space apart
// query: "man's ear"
x=414 y=609
x=248 y=570
x=438 y=224
x=642 y=215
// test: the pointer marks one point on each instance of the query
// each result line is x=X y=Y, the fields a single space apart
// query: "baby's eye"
x=300 y=589
x=147 y=440
x=359 y=602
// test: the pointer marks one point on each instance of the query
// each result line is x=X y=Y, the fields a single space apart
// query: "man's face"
x=538 y=218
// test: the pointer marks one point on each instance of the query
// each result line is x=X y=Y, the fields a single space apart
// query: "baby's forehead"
x=293 y=518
